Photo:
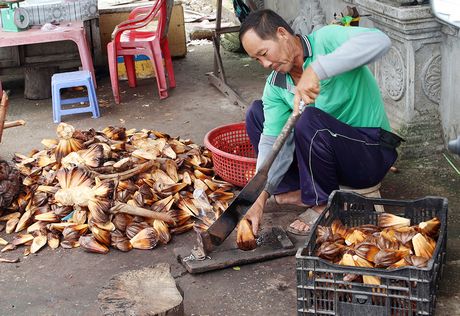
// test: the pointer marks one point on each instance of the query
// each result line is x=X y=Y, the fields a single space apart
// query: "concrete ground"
x=67 y=282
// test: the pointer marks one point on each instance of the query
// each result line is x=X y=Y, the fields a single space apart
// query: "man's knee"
x=310 y=113
x=255 y=113
x=310 y=119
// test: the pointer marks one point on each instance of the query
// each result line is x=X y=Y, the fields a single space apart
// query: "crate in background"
x=403 y=291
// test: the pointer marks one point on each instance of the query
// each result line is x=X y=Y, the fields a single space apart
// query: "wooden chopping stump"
x=150 y=291
x=37 y=81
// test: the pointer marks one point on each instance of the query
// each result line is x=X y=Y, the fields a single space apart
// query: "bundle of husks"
x=393 y=243
x=121 y=188
x=10 y=182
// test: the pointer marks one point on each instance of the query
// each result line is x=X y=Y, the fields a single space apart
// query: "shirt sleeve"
x=349 y=48
x=281 y=163
x=276 y=113
x=276 y=110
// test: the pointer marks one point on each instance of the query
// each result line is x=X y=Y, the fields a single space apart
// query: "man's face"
x=274 y=53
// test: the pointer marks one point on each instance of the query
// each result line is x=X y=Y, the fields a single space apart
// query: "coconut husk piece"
x=128 y=173
x=5 y=260
x=104 y=170
x=139 y=211
x=14 y=123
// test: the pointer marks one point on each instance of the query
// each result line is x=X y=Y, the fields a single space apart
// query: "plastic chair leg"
x=157 y=61
x=112 y=59
x=168 y=62
x=130 y=70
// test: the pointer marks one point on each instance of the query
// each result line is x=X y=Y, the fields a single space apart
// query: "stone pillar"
x=450 y=94
x=410 y=73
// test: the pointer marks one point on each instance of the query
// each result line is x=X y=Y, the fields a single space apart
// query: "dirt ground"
x=67 y=282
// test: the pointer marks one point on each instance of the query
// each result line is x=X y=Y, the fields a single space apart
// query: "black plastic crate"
x=403 y=291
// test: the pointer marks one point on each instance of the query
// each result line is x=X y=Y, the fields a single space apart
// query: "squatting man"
x=343 y=136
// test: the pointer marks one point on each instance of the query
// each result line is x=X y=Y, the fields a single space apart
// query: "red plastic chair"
x=129 y=39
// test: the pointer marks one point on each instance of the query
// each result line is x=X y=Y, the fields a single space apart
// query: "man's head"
x=268 y=38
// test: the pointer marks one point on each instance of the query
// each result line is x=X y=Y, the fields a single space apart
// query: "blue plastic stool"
x=73 y=79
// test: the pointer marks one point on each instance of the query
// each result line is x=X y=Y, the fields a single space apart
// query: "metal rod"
x=218 y=59
x=227 y=91
x=216 y=35
x=217 y=77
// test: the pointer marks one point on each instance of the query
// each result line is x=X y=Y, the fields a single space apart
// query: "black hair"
x=265 y=23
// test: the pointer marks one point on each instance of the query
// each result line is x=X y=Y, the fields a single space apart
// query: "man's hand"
x=254 y=214
x=307 y=89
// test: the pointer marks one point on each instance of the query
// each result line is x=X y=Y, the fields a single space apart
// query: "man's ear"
x=282 y=33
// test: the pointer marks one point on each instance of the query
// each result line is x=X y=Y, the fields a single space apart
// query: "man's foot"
x=302 y=225
x=291 y=198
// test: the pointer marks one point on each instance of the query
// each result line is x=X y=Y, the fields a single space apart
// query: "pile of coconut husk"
x=116 y=187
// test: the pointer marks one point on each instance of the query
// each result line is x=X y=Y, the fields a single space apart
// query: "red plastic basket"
x=232 y=153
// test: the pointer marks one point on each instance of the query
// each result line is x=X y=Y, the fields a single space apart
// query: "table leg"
x=85 y=55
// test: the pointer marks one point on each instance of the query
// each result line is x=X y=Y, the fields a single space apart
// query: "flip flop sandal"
x=308 y=217
x=272 y=200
